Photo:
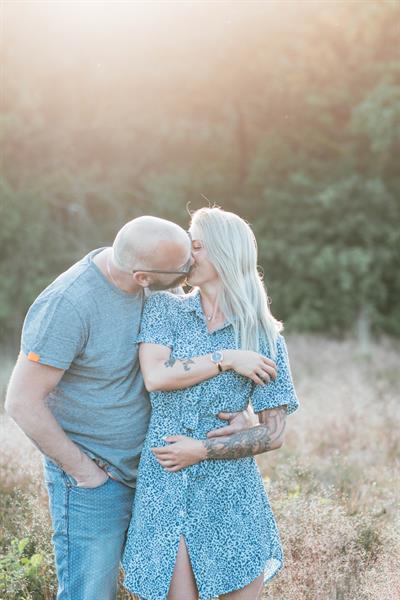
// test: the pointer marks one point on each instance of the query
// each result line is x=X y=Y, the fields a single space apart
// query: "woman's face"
x=203 y=271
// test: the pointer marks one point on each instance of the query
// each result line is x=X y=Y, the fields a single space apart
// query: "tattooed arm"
x=184 y=451
x=266 y=436
x=161 y=371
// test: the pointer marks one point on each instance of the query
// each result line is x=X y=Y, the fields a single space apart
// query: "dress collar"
x=192 y=303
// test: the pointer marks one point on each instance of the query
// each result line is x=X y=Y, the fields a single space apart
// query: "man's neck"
x=120 y=279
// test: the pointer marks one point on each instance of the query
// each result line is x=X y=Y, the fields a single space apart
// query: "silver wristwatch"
x=217 y=357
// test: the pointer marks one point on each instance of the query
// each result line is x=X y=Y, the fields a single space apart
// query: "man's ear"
x=143 y=279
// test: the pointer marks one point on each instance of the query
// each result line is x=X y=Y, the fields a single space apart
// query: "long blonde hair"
x=232 y=249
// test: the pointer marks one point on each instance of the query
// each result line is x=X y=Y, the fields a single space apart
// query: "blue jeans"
x=89 y=531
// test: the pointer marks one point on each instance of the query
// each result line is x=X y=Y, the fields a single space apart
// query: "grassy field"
x=334 y=485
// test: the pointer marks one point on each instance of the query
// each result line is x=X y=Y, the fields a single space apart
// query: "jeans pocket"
x=54 y=473
x=72 y=484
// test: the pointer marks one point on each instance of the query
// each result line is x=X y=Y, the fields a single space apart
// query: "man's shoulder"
x=71 y=286
x=57 y=300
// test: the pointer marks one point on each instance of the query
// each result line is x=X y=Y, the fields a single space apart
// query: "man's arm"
x=27 y=391
x=184 y=451
x=266 y=436
x=238 y=421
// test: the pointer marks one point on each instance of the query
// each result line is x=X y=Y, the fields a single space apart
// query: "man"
x=77 y=393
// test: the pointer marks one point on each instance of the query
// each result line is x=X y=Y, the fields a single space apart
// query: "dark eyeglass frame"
x=185 y=271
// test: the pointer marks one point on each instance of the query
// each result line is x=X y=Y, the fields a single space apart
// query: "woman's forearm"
x=162 y=371
x=175 y=374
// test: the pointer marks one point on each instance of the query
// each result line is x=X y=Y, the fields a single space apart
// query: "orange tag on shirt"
x=33 y=356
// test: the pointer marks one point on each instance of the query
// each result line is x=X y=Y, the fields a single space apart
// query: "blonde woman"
x=202 y=526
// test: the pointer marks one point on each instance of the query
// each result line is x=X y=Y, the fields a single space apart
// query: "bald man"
x=77 y=393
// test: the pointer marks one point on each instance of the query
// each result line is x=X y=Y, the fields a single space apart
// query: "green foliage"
x=287 y=113
x=26 y=557
x=341 y=252
x=20 y=571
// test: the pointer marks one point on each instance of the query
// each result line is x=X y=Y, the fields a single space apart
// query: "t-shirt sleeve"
x=278 y=392
x=53 y=332
x=157 y=320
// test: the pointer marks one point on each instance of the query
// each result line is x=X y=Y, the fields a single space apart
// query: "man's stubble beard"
x=160 y=287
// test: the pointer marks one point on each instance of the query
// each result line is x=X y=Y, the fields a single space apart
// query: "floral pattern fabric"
x=219 y=506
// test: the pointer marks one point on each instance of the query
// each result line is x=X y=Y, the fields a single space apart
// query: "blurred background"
x=287 y=113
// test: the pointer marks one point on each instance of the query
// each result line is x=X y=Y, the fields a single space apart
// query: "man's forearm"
x=42 y=429
x=266 y=436
x=29 y=386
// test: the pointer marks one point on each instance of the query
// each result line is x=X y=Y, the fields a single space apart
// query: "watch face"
x=217 y=356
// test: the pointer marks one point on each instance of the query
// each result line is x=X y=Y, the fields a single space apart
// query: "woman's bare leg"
x=252 y=591
x=183 y=584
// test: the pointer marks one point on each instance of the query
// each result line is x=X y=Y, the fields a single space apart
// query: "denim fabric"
x=89 y=531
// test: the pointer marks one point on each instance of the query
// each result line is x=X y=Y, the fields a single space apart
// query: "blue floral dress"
x=219 y=506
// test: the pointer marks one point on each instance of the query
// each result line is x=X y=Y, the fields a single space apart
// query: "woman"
x=202 y=527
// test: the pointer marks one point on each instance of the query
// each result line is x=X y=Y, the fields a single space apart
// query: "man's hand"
x=238 y=421
x=91 y=476
x=182 y=452
x=266 y=436
x=30 y=384
x=254 y=435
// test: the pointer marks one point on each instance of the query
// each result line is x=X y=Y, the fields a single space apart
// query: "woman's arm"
x=163 y=372
x=184 y=451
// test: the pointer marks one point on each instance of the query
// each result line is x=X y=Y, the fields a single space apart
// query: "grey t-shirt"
x=87 y=326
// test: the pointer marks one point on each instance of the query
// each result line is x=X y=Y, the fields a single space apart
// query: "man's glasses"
x=185 y=270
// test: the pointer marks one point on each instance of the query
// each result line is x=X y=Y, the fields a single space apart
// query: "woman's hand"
x=182 y=452
x=253 y=365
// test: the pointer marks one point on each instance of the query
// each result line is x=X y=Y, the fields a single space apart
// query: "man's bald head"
x=149 y=243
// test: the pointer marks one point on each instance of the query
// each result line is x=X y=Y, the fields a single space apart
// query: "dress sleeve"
x=53 y=333
x=157 y=320
x=278 y=392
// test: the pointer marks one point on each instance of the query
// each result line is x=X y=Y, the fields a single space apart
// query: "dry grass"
x=334 y=486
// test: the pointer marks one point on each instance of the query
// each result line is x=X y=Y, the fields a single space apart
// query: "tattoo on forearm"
x=186 y=362
x=170 y=362
x=253 y=441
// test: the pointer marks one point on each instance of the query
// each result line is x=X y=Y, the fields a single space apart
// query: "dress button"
x=184 y=476
x=182 y=513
